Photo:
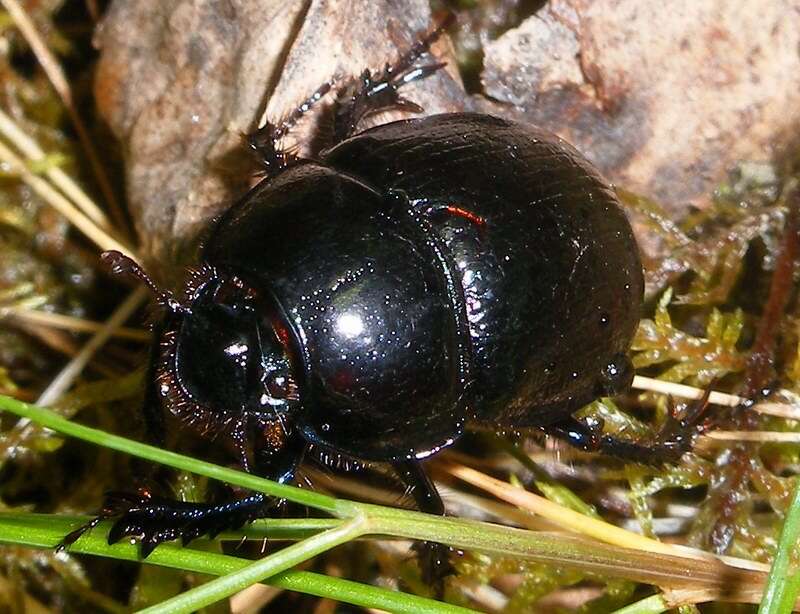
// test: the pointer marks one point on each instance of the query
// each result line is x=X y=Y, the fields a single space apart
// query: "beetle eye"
x=216 y=356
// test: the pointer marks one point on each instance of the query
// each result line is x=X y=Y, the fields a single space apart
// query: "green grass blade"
x=654 y=604
x=783 y=583
x=50 y=419
x=225 y=586
x=45 y=531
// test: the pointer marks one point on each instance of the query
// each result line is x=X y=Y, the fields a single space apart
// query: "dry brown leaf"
x=179 y=82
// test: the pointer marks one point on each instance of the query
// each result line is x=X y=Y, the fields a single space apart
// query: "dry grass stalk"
x=55 y=74
x=45 y=189
x=70 y=323
x=585 y=525
x=649 y=384
x=30 y=148
x=62 y=382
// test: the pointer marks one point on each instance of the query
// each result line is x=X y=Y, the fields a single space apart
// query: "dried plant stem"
x=30 y=148
x=592 y=527
x=757 y=436
x=70 y=323
x=44 y=189
x=253 y=598
x=683 y=391
x=53 y=339
x=357 y=489
x=70 y=372
x=649 y=384
x=55 y=74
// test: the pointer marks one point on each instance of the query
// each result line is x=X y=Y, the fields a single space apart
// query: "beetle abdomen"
x=549 y=267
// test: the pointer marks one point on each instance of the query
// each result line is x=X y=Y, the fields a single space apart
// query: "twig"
x=762 y=356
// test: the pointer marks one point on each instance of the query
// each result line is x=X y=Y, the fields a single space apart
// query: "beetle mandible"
x=406 y=283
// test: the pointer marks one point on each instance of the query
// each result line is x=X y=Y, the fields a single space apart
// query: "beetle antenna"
x=120 y=264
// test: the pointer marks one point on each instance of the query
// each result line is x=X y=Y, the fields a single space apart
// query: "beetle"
x=376 y=299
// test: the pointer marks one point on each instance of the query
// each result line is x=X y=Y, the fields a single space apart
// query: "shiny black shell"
x=439 y=272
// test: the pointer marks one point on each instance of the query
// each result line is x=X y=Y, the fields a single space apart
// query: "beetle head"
x=224 y=357
x=230 y=353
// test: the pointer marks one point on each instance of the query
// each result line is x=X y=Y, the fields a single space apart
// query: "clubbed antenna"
x=120 y=264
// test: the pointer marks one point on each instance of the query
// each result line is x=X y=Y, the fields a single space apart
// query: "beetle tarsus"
x=372 y=93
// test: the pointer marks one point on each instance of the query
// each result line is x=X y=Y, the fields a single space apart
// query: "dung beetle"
x=401 y=285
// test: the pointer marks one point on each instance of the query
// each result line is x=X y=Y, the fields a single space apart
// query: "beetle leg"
x=154 y=520
x=578 y=434
x=434 y=558
x=372 y=93
x=266 y=141
x=674 y=439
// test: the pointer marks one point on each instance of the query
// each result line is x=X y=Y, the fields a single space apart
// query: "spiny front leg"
x=380 y=92
x=361 y=97
x=154 y=520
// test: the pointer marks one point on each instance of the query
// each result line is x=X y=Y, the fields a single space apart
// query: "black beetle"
x=408 y=282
